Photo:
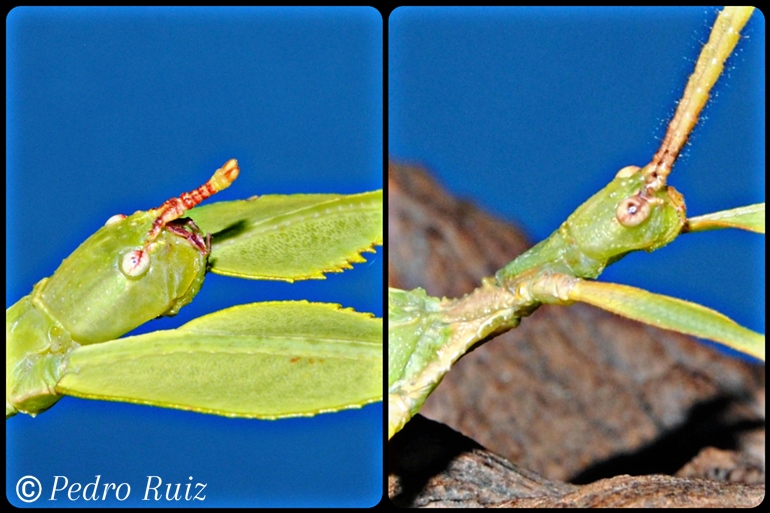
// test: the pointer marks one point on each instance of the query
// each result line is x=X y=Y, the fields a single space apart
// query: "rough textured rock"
x=574 y=394
x=434 y=466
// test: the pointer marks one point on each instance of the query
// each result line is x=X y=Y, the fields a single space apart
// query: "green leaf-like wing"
x=669 y=313
x=751 y=218
x=261 y=360
x=294 y=237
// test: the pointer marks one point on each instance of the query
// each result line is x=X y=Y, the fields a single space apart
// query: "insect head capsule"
x=613 y=222
x=115 y=282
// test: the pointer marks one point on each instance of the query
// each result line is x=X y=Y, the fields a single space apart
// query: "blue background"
x=115 y=110
x=529 y=111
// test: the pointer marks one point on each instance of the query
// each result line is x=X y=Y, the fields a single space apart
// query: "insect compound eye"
x=135 y=264
x=632 y=211
x=115 y=219
x=627 y=172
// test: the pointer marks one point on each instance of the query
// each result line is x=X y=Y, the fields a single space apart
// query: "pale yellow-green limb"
x=669 y=313
x=751 y=218
x=291 y=237
x=261 y=360
x=725 y=34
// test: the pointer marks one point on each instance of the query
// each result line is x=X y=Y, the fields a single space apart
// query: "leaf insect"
x=259 y=360
x=636 y=211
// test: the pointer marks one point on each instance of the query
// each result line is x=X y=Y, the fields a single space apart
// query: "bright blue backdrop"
x=114 y=110
x=529 y=111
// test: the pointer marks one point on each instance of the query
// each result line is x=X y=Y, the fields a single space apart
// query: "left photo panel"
x=194 y=257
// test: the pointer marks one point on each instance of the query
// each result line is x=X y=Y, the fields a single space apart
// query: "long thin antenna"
x=724 y=36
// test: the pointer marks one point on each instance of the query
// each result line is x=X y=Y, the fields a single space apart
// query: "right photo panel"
x=576 y=257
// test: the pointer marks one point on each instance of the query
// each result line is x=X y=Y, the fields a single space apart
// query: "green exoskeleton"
x=624 y=216
x=132 y=270
x=636 y=211
x=264 y=360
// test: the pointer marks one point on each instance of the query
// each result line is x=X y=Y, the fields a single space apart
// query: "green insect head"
x=626 y=216
x=125 y=279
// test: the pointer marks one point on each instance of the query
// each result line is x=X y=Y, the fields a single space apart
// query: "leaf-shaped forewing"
x=751 y=218
x=294 y=237
x=261 y=360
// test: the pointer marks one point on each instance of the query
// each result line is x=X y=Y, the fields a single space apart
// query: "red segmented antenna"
x=176 y=207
